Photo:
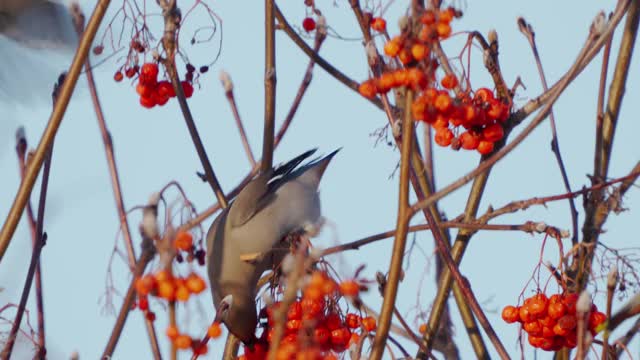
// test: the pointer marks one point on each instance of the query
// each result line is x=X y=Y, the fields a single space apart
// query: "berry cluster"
x=153 y=92
x=551 y=322
x=164 y=285
x=315 y=326
x=444 y=106
x=183 y=242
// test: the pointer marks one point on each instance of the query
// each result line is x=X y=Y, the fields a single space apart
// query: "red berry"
x=379 y=24
x=187 y=88
x=147 y=102
x=308 y=24
x=449 y=81
x=118 y=76
x=149 y=73
x=485 y=147
x=510 y=314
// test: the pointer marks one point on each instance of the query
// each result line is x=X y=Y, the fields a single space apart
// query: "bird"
x=36 y=38
x=37 y=23
x=276 y=203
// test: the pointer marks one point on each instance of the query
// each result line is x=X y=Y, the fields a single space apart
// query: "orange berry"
x=427 y=33
x=441 y=122
x=195 y=283
x=145 y=90
x=392 y=47
x=469 y=140
x=524 y=314
x=329 y=287
x=321 y=335
x=368 y=89
x=312 y=307
x=166 y=290
x=485 y=147
x=293 y=325
x=547 y=321
x=443 y=29
x=295 y=311
x=172 y=332
x=569 y=301
x=387 y=81
x=533 y=328
x=340 y=336
x=428 y=17
x=349 y=288
x=379 y=24
x=567 y=322
x=484 y=95
x=447 y=15
x=422 y=329
x=535 y=341
x=182 y=293
x=417 y=78
x=556 y=310
x=352 y=321
x=560 y=331
x=354 y=339
x=419 y=51
x=509 y=313
x=443 y=137
x=163 y=275
x=405 y=56
x=145 y=284
x=401 y=77
x=183 y=241
x=369 y=323
x=214 y=331
x=147 y=102
x=538 y=304
x=595 y=319
x=118 y=76
x=493 y=133
x=182 y=342
x=333 y=321
x=149 y=73
x=443 y=102
x=449 y=81
x=312 y=292
x=418 y=108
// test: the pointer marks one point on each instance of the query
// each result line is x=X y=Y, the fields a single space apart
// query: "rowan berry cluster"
x=551 y=322
x=460 y=119
x=315 y=326
x=183 y=242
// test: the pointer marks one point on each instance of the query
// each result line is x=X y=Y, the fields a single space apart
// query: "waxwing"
x=281 y=201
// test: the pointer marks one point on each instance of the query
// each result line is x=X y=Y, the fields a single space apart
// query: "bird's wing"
x=45 y=24
x=261 y=191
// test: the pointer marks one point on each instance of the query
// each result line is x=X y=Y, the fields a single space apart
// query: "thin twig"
x=528 y=32
x=35 y=259
x=21 y=149
x=269 y=85
x=236 y=115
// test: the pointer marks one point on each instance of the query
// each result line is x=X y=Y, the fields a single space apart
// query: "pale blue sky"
x=359 y=198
